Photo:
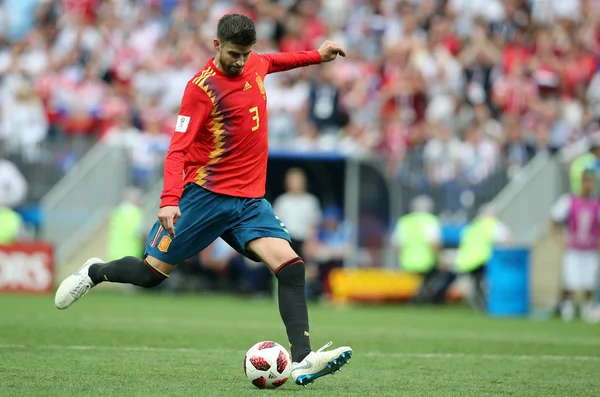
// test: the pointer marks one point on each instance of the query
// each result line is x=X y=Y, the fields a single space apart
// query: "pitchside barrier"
x=27 y=267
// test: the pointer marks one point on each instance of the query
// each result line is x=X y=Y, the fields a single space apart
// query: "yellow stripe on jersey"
x=215 y=124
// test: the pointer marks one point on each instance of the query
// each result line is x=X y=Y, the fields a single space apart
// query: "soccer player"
x=214 y=183
x=580 y=215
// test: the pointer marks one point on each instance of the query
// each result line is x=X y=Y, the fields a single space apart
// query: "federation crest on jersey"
x=163 y=246
x=182 y=123
x=261 y=87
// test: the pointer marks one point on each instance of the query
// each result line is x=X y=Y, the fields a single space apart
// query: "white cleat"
x=75 y=286
x=320 y=363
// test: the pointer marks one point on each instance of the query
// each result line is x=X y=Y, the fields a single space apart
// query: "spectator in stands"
x=326 y=250
x=417 y=239
x=148 y=154
x=13 y=186
x=479 y=160
x=443 y=164
x=324 y=106
x=298 y=209
x=287 y=94
x=558 y=130
x=122 y=134
x=515 y=93
x=478 y=57
x=515 y=151
x=24 y=124
x=412 y=173
x=475 y=250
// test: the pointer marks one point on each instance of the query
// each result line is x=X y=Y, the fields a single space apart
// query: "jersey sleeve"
x=282 y=61
x=195 y=109
x=560 y=210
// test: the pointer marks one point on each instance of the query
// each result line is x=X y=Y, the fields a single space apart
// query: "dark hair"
x=236 y=29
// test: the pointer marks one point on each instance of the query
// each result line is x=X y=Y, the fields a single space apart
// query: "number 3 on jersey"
x=254 y=112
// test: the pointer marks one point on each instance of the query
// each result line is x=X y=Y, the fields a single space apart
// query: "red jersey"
x=221 y=136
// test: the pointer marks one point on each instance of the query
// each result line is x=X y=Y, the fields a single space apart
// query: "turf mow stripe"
x=423 y=356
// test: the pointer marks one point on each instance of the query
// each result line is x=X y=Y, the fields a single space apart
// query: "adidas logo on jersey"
x=247 y=86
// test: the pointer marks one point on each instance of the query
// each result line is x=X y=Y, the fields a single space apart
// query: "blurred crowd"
x=465 y=86
x=455 y=95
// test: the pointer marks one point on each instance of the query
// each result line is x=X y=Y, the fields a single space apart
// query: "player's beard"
x=236 y=71
x=230 y=69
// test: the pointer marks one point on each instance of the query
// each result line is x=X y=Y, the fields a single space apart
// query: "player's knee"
x=291 y=272
x=150 y=276
x=162 y=267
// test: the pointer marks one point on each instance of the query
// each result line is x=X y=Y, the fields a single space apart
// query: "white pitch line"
x=512 y=338
x=543 y=357
x=441 y=356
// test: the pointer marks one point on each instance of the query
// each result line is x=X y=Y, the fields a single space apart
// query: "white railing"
x=80 y=202
x=524 y=205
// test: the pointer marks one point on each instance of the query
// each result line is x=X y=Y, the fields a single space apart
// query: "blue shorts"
x=205 y=216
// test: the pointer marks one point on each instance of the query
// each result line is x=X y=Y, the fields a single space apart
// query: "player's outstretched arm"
x=282 y=61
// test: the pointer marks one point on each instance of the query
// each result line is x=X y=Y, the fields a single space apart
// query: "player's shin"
x=127 y=270
x=292 y=306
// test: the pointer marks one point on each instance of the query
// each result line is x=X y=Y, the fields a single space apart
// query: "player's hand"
x=168 y=216
x=330 y=50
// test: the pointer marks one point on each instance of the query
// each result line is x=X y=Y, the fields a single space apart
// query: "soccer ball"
x=267 y=364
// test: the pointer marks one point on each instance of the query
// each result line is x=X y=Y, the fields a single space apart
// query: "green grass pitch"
x=163 y=345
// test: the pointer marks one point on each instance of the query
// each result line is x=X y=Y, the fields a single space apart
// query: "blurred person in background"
x=409 y=162
x=298 y=209
x=13 y=186
x=127 y=232
x=23 y=124
x=515 y=92
x=478 y=57
x=148 y=154
x=578 y=218
x=586 y=161
x=123 y=134
x=417 y=239
x=287 y=96
x=443 y=165
x=329 y=247
x=221 y=267
x=12 y=227
x=475 y=250
x=325 y=109
x=479 y=160
x=515 y=151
